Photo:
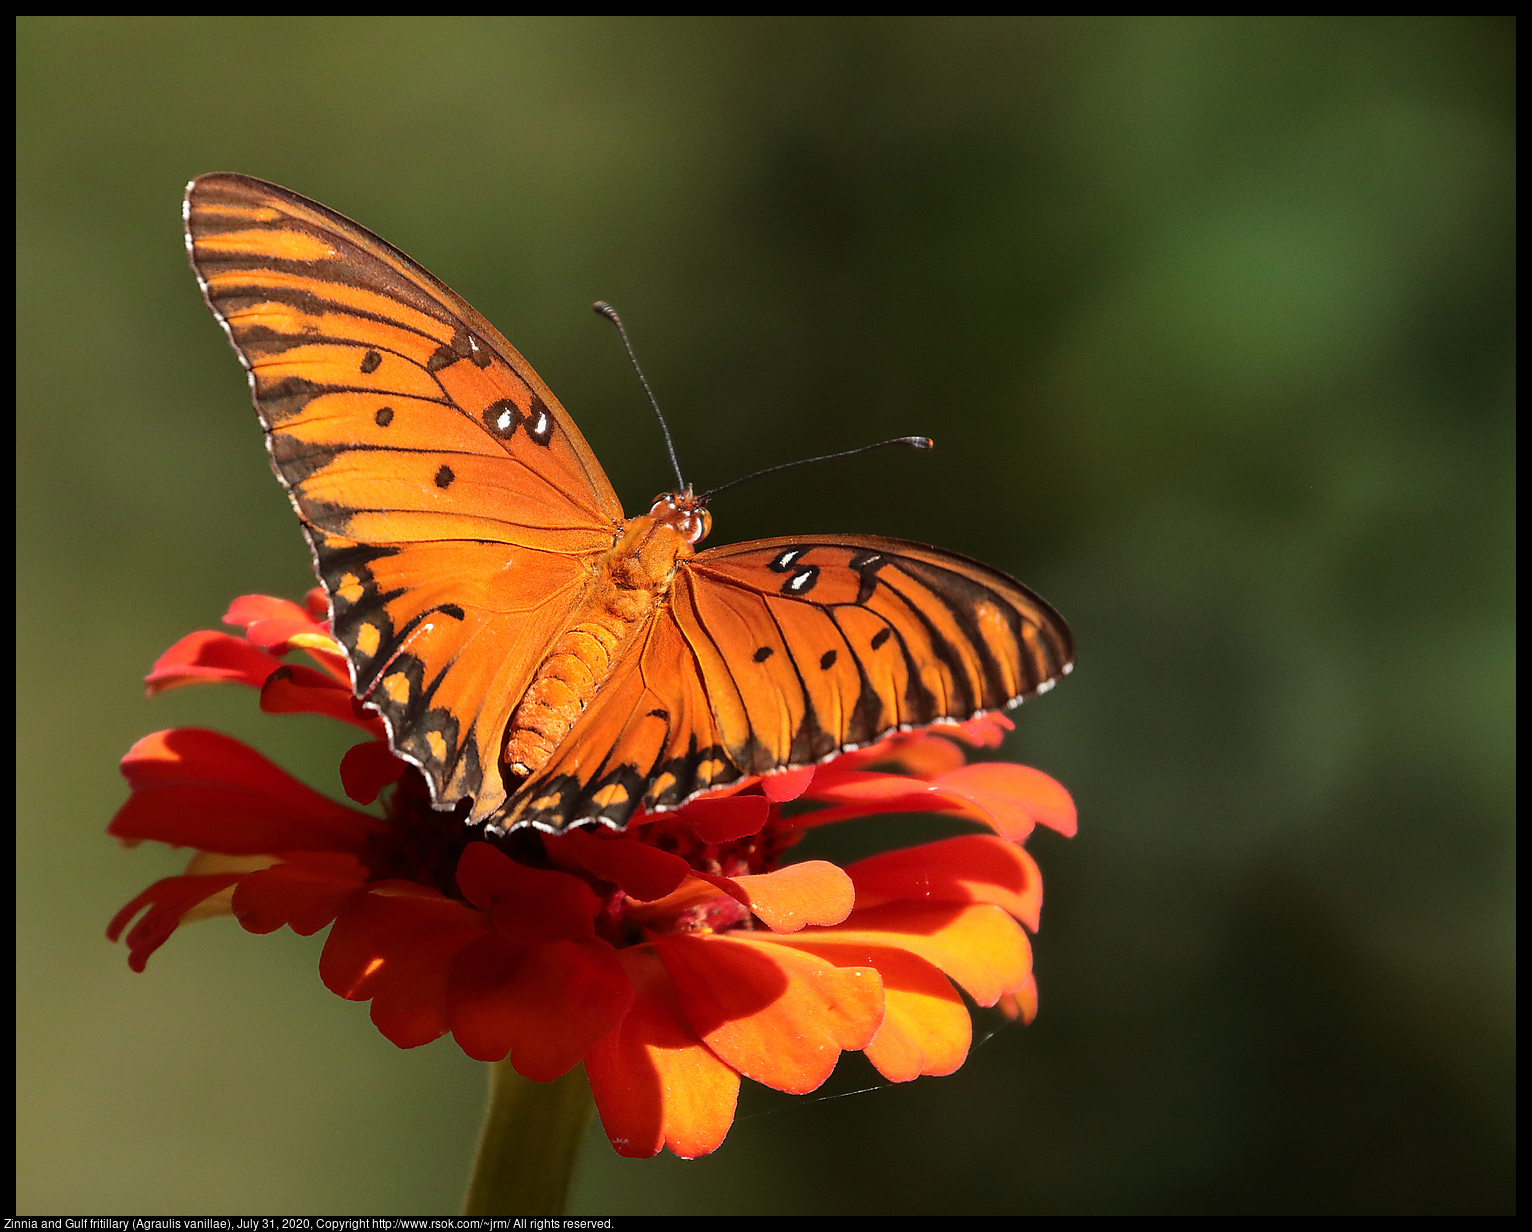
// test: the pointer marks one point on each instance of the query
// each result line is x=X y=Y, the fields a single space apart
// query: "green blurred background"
x=1212 y=321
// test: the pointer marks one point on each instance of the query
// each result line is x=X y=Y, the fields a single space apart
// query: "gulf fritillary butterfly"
x=529 y=648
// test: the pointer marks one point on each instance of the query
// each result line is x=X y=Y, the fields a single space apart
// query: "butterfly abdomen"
x=629 y=582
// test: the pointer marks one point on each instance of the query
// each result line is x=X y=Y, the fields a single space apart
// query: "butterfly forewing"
x=451 y=503
x=781 y=653
x=929 y=634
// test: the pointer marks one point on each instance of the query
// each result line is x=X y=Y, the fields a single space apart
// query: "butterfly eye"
x=687 y=518
x=697 y=525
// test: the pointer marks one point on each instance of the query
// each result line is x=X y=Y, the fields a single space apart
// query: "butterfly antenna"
x=604 y=309
x=914 y=442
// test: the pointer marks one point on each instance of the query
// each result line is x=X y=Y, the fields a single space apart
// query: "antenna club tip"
x=920 y=442
x=603 y=309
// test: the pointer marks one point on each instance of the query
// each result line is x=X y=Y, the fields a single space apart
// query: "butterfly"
x=529 y=648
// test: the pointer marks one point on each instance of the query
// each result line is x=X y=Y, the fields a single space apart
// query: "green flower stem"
x=530 y=1143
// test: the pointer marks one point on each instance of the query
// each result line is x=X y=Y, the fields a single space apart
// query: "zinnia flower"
x=669 y=959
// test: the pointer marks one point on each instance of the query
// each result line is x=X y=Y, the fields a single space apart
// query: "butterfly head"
x=685 y=512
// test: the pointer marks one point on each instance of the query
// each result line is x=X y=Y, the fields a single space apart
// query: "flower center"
x=761 y=852
x=424 y=845
x=421 y=844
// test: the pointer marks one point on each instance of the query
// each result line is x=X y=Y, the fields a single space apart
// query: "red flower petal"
x=527 y=904
x=641 y=871
x=979 y=947
x=1006 y=797
x=210 y=657
x=1022 y=1003
x=305 y=899
x=813 y=892
x=858 y=792
x=248 y=609
x=545 y=1005
x=656 y=1084
x=787 y=785
x=721 y=820
x=1013 y=797
x=921 y=754
x=281 y=626
x=168 y=900
x=295 y=689
x=775 y=1014
x=928 y=755
x=366 y=769
x=929 y=751
x=277 y=634
x=197 y=788
x=324 y=650
x=970 y=868
x=696 y=889
x=394 y=945
x=926 y=1028
x=984 y=731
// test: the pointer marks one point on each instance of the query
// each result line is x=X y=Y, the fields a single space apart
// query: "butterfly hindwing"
x=452 y=506
x=444 y=639
x=649 y=738
x=781 y=653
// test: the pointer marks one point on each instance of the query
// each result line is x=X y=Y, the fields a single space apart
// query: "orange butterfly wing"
x=782 y=652
x=452 y=506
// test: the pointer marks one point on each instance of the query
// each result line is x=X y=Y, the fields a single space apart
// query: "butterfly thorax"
x=627 y=584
